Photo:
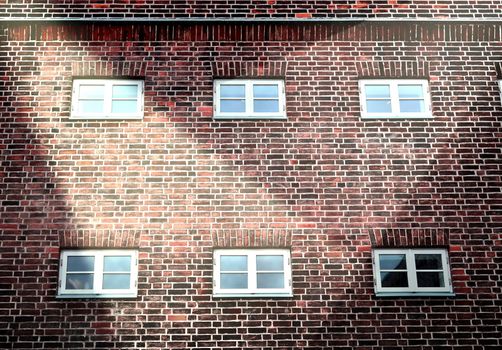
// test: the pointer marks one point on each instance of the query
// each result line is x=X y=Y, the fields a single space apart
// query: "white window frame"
x=249 y=114
x=500 y=90
x=394 y=97
x=107 y=113
x=252 y=290
x=411 y=273
x=98 y=291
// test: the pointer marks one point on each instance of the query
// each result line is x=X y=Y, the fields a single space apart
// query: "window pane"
x=229 y=106
x=124 y=106
x=232 y=91
x=79 y=281
x=428 y=262
x=270 y=280
x=412 y=106
x=91 y=106
x=125 y=91
x=378 y=106
x=269 y=263
x=430 y=279
x=377 y=91
x=394 y=279
x=264 y=106
x=410 y=91
x=96 y=92
x=80 y=263
x=392 y=261
x=233 y=280
x=265 y=91
x=117 y=263
x=116 y=281
x=233 y=263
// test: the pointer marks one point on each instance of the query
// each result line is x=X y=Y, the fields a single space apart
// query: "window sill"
x=414 y=294
x=265 y=295
x=388 y=118
x=282 y=117
x=105 y=118
x=96 y=296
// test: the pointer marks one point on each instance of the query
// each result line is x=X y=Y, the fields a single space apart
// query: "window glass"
x=80 y=263
x=232 y=91
x=80 y=281
x=125 y=91
x=410 y=91
x=269 y=262
x=117 y=263
x=378 y=91
x=265 y=91
x=228 y=106
x=234 y=263
x=379 y=106
x=92 y=92
x=92 y=106
x=411 y=106
x=116 y=281
x=428 y=261
x=234 y=280
x=264 y=106
x=124 y=106
x=270 y=280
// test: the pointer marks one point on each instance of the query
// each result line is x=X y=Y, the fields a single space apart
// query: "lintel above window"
x=411 y=272
x=98 y=273
x=249 y=99
x=395 y=99
x=107 y=99
x=252 y=273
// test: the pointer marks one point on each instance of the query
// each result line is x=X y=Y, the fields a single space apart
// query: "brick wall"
x=177 y=183
x=305 y=9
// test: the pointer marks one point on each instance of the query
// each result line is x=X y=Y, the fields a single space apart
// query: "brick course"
x=177 y=183
x=280 y=9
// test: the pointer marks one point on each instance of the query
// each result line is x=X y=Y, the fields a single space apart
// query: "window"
x=249 y=99
x=395 y=99
x=252 y=272
x=107 y=99
x=411 y=272
x=98 y=273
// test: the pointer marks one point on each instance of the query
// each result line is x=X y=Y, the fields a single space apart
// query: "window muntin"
x=107 y=99
x=98 y=273
x=402 y=98
x=418 y=271
x=249 y=99
x=252 y=272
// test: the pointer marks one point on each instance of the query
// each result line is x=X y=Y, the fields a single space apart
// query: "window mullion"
x=98 y=272
x=412 y=271
x=249 y=97
x=394 y=98
x=108 y=97
x=252 y=275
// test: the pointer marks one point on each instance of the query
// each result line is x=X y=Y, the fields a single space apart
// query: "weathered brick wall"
x=252 y=8
x=178 y=183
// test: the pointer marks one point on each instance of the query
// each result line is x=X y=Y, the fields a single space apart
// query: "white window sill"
x=387 y=117
x=414 y=294
x=96 y=296
x=257 y=295
x=104 y=118
x=240 y=117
